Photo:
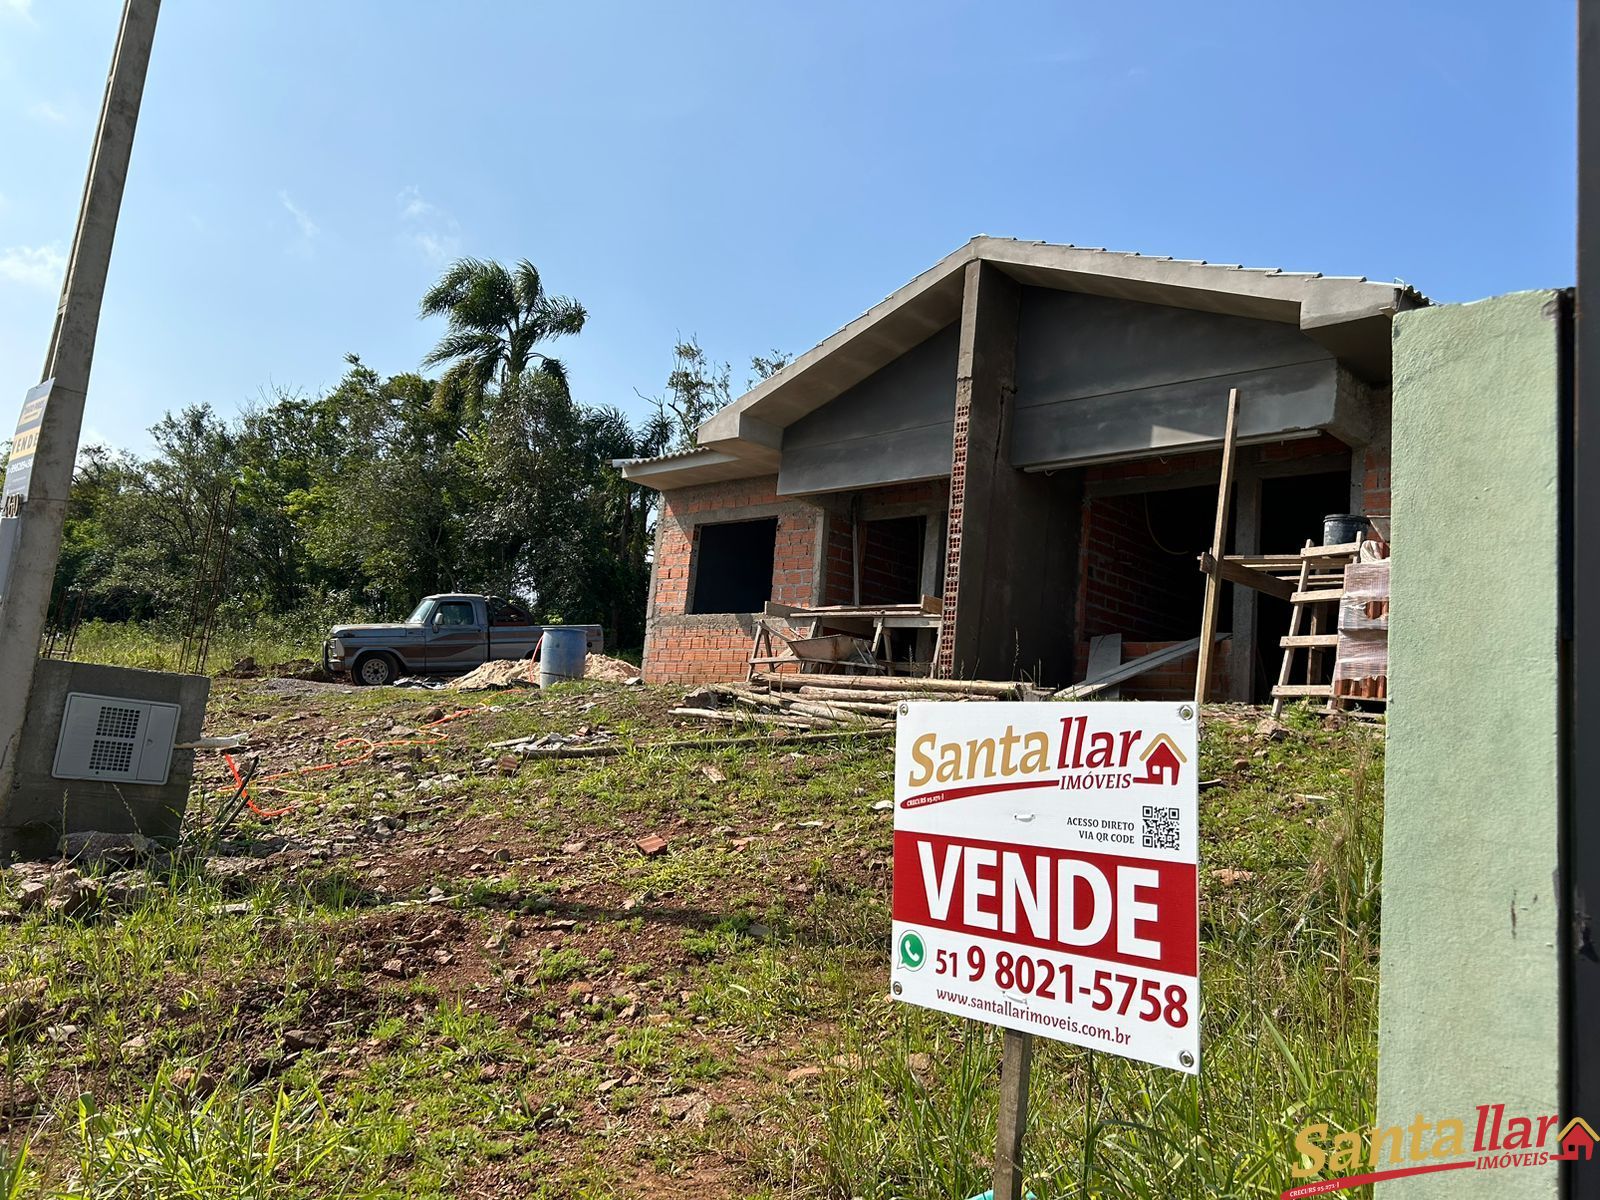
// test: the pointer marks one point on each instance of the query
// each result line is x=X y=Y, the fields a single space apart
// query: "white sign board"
x=1046 y=869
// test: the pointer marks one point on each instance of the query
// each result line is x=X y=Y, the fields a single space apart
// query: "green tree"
x=497 y=318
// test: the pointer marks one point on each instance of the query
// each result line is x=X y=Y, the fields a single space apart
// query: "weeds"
x=246 y=1146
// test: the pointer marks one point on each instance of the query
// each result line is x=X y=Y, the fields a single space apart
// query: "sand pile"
x=612 y=670
x=501 y=673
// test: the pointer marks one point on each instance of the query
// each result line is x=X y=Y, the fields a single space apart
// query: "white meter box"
x=116 y=739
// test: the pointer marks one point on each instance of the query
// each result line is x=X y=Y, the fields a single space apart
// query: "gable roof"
x=1349 y=315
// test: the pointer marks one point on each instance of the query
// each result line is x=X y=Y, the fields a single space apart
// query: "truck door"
x=512 y=633
x=455 y=636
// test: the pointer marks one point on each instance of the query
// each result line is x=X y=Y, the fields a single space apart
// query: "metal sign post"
x=1046 y=861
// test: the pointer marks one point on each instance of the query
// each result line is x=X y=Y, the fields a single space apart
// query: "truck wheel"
x=374 y=670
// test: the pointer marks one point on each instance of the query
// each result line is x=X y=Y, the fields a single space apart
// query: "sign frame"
x=1047 y=871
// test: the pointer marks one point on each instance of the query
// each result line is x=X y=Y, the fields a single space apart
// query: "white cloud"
x=308 y=228
x=427 y=228
x=43 y=110
x=412 y=206
x=18 y=8
x=36 y=266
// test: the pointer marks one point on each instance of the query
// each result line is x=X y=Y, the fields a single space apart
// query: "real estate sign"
x=19 y=468
x=1045 y=871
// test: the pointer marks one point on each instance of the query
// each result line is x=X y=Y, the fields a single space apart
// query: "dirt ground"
x=476 y=972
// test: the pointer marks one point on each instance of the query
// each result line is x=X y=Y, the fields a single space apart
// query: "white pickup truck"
x=444 y=635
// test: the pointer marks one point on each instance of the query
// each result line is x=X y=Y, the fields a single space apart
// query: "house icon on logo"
x=1162 y=761
x=1577 y=1141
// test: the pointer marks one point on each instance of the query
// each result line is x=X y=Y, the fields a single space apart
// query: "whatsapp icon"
x=912 y=951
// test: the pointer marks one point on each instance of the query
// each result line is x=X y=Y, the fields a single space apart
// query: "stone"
x=692 y=1109
x=19 y=1013
x=303 y=1039
x=93 y=847
x=801 y=1074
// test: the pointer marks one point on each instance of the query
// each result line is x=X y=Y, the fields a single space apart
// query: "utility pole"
x=37 y=500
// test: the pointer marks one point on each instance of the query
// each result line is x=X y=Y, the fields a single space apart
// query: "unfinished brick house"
x=1030 y=432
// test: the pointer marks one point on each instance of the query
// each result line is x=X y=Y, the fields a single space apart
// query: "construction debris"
x=833 y=701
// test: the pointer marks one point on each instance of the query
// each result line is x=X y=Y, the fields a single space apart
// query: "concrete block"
x=41 y=809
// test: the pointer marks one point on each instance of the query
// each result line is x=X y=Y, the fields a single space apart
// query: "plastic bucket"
x=562 y=652
x=1341 y=529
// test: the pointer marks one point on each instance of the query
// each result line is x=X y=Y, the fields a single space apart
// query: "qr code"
x=1160 y=828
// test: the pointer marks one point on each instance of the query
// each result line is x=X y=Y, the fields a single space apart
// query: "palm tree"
x=496 y=319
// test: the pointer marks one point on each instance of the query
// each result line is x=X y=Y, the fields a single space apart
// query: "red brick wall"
x=1173 y=680
x=839 y=586
x=1373 y=463
x=891 y=561
x=875 y=504
x=1130 y=585
x=945 y=666
x=681 y=648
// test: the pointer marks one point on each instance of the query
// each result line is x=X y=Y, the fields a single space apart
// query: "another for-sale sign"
x=1045 y=871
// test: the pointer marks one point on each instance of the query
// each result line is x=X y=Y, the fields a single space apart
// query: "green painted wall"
x=1470 y=991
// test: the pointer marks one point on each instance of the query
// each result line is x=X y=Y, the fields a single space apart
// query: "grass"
x=268 y=640
x=575 y=1018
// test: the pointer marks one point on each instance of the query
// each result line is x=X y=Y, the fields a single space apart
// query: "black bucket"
x=1341 y=529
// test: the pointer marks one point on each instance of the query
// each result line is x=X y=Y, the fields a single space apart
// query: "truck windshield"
x=419 y=615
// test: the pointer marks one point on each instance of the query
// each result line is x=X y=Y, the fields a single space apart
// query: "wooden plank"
x=1016 y=1067
x=1343 y=550
x=891 y=683
x=1105 y=654
x=1219 y=547
x=1237 y=572
x=1129 y=670
x=1307 y=640
x=1317 y=596
x=1302 y=689
x=857 y=610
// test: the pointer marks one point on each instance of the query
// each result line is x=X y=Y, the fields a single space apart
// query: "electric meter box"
x=115 y=739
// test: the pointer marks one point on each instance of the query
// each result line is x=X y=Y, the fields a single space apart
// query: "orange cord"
x=372 y=748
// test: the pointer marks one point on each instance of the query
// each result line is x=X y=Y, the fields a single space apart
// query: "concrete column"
x=1012 y=548
x=1470 y=1010
x=986 y=381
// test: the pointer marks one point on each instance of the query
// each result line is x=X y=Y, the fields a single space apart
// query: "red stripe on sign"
x=983 y=789
x=1324 y=1186
x=1136 y=911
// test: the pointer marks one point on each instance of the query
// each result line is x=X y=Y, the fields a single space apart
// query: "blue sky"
x=756 y=174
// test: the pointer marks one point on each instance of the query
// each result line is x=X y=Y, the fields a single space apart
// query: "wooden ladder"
x=1321 y=583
